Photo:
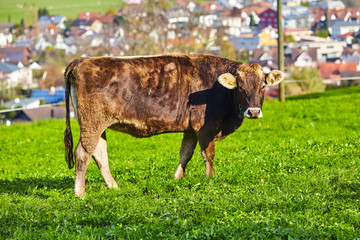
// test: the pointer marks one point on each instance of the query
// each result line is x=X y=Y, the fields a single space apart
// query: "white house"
x=326 y=48
x=14 y=76
x=5 y=38
x=339 y=27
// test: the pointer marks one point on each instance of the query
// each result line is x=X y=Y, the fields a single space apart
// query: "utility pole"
x=36 y=21
x=26 y=16
x=280 y=49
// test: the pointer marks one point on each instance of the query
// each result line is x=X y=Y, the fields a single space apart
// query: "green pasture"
x=294 y=174
x=70 y=9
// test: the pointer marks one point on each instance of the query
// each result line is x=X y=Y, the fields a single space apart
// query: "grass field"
x=68 y=8
x=292 y=174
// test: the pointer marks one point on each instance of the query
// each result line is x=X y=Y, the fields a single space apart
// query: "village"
x=323 y=36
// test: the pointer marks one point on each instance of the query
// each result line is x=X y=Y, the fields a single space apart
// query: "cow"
x=206 y=97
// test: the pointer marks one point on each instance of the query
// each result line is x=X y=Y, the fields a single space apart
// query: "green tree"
x=227 y=50
x=308 y=80
x=43 y=12
x=324 y=33
x=289 y=39
x=252 y=21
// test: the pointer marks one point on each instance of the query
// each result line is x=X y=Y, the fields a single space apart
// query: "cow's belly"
x=149 y=127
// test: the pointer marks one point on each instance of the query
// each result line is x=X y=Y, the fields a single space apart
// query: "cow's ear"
x=274 y=77
x=227 y=80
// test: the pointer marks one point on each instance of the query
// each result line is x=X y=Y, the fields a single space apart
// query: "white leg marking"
x=179 y=172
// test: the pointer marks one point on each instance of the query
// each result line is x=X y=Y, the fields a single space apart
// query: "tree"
x=111 y=12
x=308 y=80
x=227 y=50
x=252 y=21
x=324 y=33
x=43 y=12
x=289 y=39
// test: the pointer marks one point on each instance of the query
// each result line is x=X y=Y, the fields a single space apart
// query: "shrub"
x=308 y=80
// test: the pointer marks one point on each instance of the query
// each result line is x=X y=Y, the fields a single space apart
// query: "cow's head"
x=250 y=82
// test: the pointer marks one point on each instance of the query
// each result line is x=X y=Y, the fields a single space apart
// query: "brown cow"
x=206 y=97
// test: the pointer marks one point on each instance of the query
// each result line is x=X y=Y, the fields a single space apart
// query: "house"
x=249 y=41
x=346 y=14
x=58 y=21
x=6 y=33
x=13 y=76
x=5 y=38
x=337 y=28
x=15 y=55
x=177 y=17
x=332 y=70
x=297 y=33
x=303 y=58
x=255 y=39
x=89 y=15
x=266 y=57
x=347 y=37
x=209 y=15
x=350 y=54
x=27 y=103
x=329 y=4
x=89 y=25
x=236 y=21
x=291 y=3
x=297 y=17
x=41 y=113
x=327 y=49
x=42 y=43
x=268 y=18
x=7 y=27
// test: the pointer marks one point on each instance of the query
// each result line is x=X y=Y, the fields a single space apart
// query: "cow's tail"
x=68 y=139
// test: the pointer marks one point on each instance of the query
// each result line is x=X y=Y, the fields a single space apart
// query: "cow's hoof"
x=179 y=172
x=80 y=195
x=113 y=186
x=210 y=174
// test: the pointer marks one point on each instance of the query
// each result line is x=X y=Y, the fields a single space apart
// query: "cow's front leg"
x=207 y=145
x=208 y=154
x=188 y=145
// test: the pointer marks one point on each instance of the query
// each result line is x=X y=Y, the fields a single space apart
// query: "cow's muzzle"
x=253 y=113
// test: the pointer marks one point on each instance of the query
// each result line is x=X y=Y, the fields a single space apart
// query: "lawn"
x=292 y=174
x=16 y=10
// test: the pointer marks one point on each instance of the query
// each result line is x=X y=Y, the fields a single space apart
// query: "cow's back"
x=140 y=95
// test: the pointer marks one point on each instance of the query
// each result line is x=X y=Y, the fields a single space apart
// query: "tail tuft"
x=68 y=139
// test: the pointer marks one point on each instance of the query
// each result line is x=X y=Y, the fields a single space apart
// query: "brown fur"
x=144 y=96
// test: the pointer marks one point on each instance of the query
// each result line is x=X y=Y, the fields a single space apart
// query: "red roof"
x=345 y=35
x=333 y=70
x=89 y=15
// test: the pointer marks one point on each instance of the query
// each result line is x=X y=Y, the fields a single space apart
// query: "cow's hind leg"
x=83 y=152
x=82 y=160
x=101 y=158
x=188 y=145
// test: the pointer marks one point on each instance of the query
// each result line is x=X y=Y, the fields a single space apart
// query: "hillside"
x=68 y=8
